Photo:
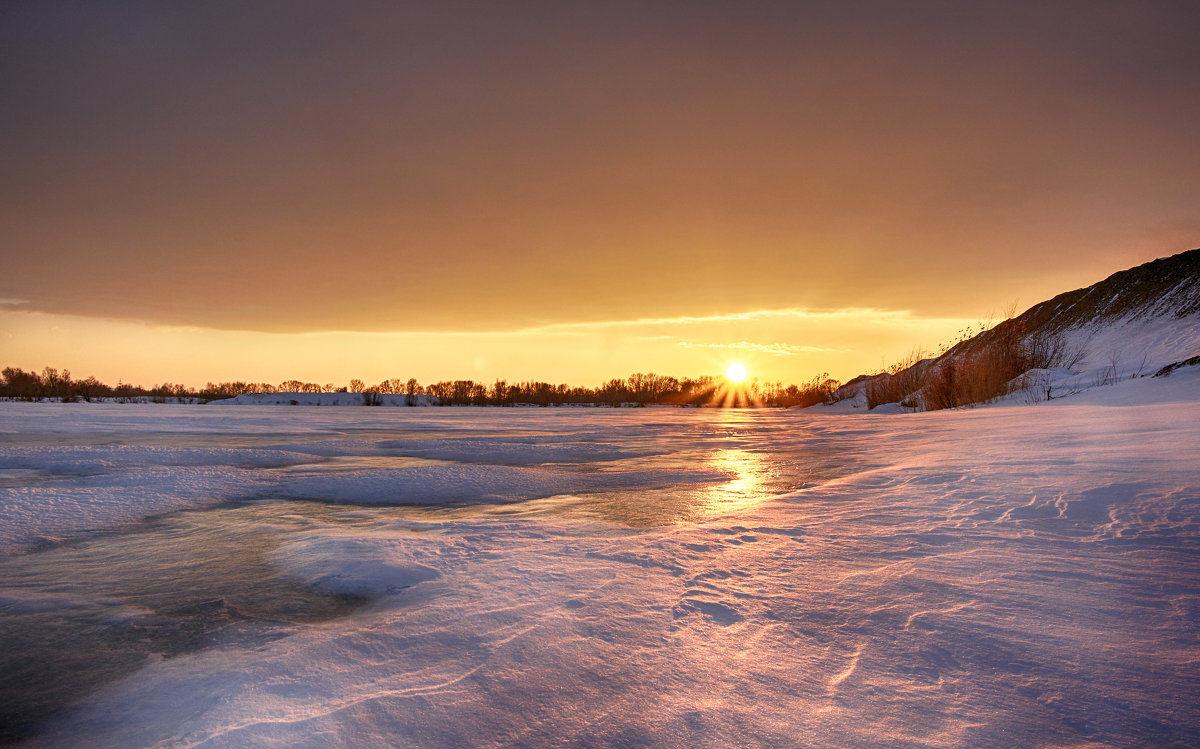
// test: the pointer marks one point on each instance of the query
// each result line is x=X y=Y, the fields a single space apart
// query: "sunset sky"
x=572 y=192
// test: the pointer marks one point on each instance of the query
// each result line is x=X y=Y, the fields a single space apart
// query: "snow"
x=1004 y=576
x=324 y=399
x=370 y=564
x=1132 y=347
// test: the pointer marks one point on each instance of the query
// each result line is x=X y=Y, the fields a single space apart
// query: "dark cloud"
x=387 y=166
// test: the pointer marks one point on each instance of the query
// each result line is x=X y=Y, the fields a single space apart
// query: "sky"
x=572 y=192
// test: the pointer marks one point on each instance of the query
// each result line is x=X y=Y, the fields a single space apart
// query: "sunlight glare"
x=736 y=372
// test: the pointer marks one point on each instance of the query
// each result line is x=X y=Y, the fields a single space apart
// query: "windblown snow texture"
x=1016 y=576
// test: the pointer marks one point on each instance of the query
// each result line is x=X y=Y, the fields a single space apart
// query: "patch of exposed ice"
x=459 y=482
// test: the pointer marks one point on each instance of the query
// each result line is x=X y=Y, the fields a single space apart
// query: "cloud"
x=785 y=345
x=774 y=349
x=860 y=315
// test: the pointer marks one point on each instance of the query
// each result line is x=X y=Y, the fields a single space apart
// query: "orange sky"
x=452 y=190
x=841 y=342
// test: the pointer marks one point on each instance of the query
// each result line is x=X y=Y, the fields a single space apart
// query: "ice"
x=46 y=511
x=108 y=458
x=438 y=484
x=95 y=467
x=1013 y=575
x=530 y=451
x=360 y=565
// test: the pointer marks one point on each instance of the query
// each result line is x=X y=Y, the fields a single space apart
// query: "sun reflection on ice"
x=749 y=474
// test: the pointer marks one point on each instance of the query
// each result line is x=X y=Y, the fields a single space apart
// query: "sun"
x=736 y=372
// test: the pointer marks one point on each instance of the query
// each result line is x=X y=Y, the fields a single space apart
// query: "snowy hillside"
x=1132 y=323
x=1129 y=325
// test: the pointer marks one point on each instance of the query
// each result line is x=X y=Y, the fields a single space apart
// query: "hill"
x=1131 y=324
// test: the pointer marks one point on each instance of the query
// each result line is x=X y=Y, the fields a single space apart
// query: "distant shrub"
x=898 y=381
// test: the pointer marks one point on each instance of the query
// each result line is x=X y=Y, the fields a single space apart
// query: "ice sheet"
x=72 y=468
x=1015 y=575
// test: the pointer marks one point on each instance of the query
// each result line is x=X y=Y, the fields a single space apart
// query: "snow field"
x=1018 y=575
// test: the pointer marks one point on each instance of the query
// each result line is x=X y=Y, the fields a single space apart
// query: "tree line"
x=636 y=390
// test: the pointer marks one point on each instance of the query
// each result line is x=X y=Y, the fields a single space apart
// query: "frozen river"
x=233 y=576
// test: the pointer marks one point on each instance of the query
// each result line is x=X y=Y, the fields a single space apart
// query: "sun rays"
x=735 y=389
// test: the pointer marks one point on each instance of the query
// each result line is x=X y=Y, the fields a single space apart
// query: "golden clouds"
x=841 y=342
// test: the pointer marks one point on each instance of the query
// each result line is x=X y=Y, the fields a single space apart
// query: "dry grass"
x=994 y=366
x=976 y=370
x=898 y=381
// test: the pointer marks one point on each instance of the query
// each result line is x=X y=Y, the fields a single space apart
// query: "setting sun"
x=736 y=372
